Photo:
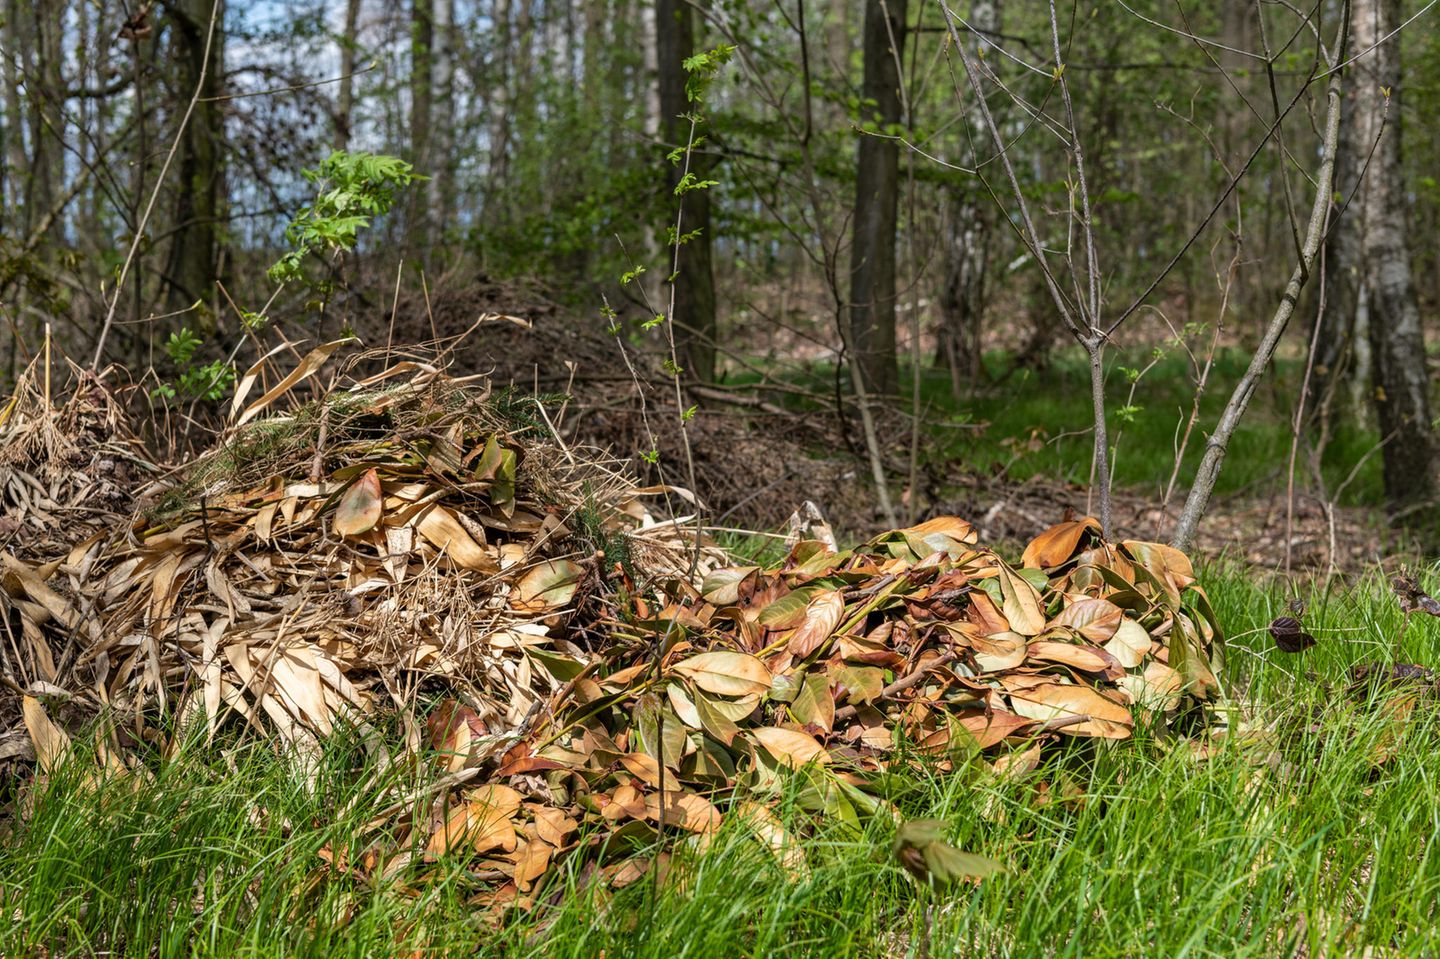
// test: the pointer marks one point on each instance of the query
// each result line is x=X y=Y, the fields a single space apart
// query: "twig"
x=900 y=685
x=1215 y=450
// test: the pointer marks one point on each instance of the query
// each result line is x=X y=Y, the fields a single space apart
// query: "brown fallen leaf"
x=1289 y=636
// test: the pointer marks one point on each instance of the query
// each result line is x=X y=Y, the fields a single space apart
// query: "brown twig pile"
x=405 y=526
x=69 y=460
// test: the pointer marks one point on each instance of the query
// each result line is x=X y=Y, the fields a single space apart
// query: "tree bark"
x=499 y=125
x=872 y=255
x=439 y=189
x=1401 y=383
x=345 y=97
x=47 y=95
x=694 y=282
x=422 y=43
x=16 y=158
x=1336 y=356
x=967 y=247
x=199 y=197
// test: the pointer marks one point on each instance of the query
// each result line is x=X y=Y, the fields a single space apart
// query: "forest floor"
x=1010 y=451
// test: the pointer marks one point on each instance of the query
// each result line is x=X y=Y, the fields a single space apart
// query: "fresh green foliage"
x=353 y=189
x=702 y=68
x=209 y=381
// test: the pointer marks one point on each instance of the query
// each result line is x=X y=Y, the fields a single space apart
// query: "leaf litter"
x=410 y=541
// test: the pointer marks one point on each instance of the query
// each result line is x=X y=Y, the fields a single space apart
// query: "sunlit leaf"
x=360 y=507
x=726 y=673
x=549 y=584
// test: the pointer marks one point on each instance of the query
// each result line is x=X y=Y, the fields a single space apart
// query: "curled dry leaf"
x=999 y=652
x=1022 y=603
x=1095 y=619
x=1056 y=701
x=531 y=860
x=1090 y=659
x=360 y=508
x=50 y=741
x=439 y=526
x=721 y=587
x=1057 y=544
x=1130 y=644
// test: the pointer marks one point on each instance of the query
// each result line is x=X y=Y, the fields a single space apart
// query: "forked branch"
x=1219 y=443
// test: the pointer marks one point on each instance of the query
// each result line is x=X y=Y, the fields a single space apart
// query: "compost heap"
x=591 y=677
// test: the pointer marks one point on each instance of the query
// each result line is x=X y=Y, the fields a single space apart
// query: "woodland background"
x=858 y=219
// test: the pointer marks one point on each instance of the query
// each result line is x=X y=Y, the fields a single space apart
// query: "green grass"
x=1292 y=838
x=996 y=426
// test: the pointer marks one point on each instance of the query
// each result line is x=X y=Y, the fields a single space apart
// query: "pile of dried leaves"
x=605 y=680
x=838 y=667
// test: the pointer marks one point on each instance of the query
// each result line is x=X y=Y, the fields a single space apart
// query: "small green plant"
x=353 y=188
x=208 y=381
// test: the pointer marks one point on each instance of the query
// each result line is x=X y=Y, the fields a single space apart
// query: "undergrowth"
x=1311 y=830
x=1022 y=423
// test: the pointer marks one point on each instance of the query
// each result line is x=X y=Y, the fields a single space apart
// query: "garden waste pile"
x=578 y=668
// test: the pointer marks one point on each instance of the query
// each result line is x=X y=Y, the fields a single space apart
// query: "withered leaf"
x=1057 y=544
x=822 y=615
x=360 y=508
x=1022 y=604
x=726 y=673
x=549 y=584
x=1289 y=635
x=790 y=746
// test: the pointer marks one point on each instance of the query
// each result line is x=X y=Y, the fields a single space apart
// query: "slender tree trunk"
x=17 y=160
x=440 y=188
x=422 y=45
x=1402 y=383
x=499 y=99
x=47 y=97
x=872 y=255
x=1336 y=347
x=199 y=196
x=695 y=281
x=1211 y=461
x=967 y=247
x=345 y=96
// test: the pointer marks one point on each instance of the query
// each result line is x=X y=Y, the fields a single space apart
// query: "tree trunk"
x=345 y=98
x=17 y=161
x=199 y=198
x=694 y=283
x=967 y=248
x=1402 y=402
x=872 y=255
x=1335 y=353
x=499 y=102
x=47 y=95
x=440 y=188
x=422 y=43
